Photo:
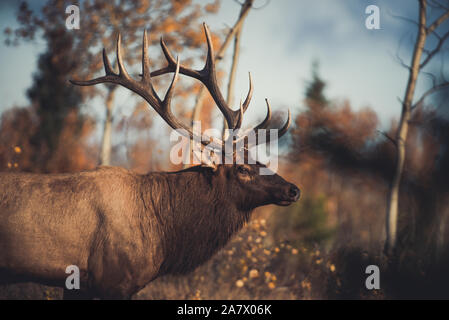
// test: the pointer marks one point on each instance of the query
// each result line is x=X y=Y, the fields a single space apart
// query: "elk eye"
x=243 y=170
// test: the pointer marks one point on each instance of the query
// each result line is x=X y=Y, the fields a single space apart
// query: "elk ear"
x=207 y=162
x=213 y=166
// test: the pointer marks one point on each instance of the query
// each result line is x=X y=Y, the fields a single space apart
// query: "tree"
x=246 y=6
x=236 y=54
x=339 y=141
x=55 y=138
x=315 y=88
x=51 y=98
x=100 y=23
x=418 y=63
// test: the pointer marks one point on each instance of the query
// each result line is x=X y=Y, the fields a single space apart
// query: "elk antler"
x=207 y=76
x=143 y=88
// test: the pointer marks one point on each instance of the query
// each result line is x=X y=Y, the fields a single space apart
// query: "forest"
x=373 y=178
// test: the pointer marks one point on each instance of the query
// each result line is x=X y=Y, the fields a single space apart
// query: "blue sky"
x=279 y=43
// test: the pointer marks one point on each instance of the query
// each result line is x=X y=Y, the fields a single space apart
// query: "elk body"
x=121 y=229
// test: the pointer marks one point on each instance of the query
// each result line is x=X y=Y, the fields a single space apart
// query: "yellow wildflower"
x=253 y=273
x=306 y=285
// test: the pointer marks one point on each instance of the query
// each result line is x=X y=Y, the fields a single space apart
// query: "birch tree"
x=421 y=57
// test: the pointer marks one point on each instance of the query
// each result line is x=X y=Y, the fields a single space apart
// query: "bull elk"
x=124 y=229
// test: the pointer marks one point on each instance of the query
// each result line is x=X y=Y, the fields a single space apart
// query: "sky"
x=279 y=43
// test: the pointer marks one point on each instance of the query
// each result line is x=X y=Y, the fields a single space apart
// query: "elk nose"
x=294 y=192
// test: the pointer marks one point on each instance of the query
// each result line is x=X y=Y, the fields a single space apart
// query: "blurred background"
x=346 y=86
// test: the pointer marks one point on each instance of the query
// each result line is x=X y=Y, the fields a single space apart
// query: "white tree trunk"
x=105 y=157
x=401 y=135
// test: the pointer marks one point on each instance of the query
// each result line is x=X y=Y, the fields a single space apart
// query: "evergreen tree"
x=314 y=93
x=50 y=96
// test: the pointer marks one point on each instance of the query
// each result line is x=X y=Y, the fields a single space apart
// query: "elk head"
x=247 y=184
x=250 y=189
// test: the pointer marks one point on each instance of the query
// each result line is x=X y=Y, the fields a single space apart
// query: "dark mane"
x=193 y=228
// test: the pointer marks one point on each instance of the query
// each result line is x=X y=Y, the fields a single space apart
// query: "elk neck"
x=196 y=212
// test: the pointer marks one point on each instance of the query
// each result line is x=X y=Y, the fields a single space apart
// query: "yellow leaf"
x=253 y=273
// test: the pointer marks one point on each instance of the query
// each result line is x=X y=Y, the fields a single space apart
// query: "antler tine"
x=209 y=79
x=240 y=119
x=281 y=131
x=209 y=67
x=264 y=124
x=121 y=78
x=249 y=95
x=146 y=74
x=170 y=90
x=107 y=65
x=284 y=129
x=171 y=65
x=121 y=68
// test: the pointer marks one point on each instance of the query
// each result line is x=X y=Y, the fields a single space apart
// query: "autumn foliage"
x=338 y=155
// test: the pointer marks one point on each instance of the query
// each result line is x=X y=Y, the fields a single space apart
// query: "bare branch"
x=429 y=92
x=386 y=135
x=432 y=53
x=401 y=62
x=432 y=76
x=437 y=22
x=397 y=57
x=437 y=5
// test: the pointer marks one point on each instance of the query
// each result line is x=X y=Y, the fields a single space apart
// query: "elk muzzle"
x=288 y=195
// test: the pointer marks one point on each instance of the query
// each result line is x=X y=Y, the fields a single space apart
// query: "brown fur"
x=123 y=229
